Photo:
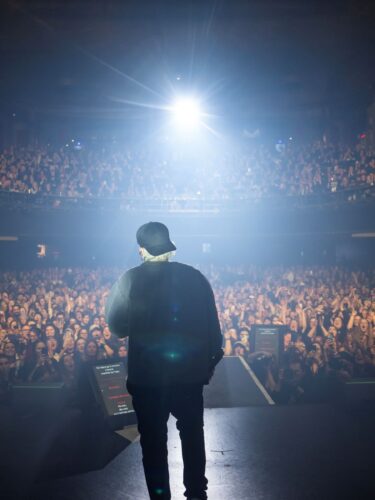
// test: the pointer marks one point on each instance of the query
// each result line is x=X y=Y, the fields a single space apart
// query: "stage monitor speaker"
x=48 y=397
x=268 y=339
x=108 y=380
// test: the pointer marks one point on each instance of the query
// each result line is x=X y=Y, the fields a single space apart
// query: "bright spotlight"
x=186 y=112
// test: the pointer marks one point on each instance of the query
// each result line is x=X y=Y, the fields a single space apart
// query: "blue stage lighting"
x=186 y=112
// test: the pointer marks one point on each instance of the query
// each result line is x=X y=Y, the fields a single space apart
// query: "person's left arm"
x=214 y=330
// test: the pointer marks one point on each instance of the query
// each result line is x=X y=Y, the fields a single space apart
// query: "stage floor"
x=260 y=453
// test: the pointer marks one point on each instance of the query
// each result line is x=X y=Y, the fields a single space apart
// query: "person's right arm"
x=312 y=332
x=117 y=307
x=351 y=320
x=228 y=344
x=324 y=329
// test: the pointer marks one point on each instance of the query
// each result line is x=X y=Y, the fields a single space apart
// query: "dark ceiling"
x=269 y=55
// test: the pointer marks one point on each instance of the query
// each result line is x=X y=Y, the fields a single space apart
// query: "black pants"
x=153 y=406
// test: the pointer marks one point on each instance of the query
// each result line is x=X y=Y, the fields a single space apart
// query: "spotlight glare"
x=186 y=112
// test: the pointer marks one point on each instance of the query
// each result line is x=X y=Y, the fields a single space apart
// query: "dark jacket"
x=168 y=311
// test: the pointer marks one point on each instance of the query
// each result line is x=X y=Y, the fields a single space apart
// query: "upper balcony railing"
x=13 y=200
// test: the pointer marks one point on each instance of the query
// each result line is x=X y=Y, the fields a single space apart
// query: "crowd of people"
x=160 y=174
x=326 y=317
x=52 y=323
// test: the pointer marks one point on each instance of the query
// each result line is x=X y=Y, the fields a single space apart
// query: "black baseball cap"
x=154 y=237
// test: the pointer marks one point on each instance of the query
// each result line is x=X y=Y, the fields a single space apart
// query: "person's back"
x=171 y=325
x=168 y=311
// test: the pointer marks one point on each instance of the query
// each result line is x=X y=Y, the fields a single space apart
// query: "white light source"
x=187 y=113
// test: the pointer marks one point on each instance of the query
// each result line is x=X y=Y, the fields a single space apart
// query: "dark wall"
x=120 y=249
x=261 y=234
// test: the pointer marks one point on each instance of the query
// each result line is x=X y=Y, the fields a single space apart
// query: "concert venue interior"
x=248 y=128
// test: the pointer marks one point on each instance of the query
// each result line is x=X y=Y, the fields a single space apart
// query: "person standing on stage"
x=167 y=309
